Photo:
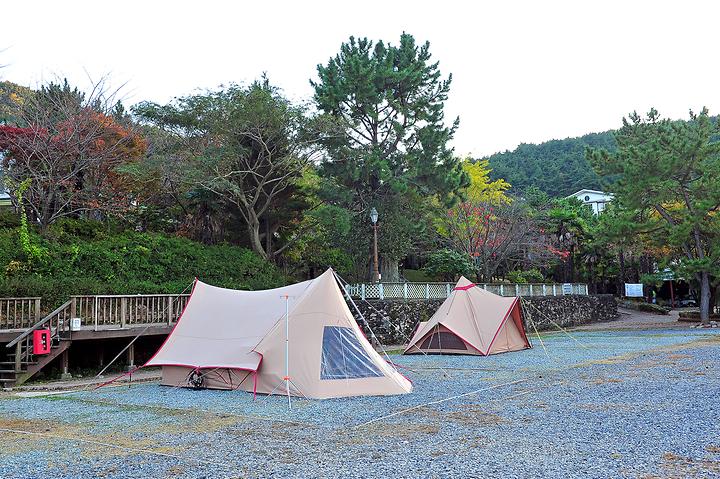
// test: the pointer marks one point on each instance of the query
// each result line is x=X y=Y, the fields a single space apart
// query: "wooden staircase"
x=20 y=364
x=10 y=377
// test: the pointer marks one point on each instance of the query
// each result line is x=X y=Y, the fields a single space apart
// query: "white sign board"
x=75 y=324
x=567 y=288
x=634 y=290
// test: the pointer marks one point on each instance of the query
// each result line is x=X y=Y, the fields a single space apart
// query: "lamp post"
x=373 y=219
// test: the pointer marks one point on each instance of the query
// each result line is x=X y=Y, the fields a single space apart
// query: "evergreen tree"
x=670 y=178
x=387 y=102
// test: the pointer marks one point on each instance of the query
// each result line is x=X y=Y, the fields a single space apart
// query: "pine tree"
x=669 y=175
x=388 y=104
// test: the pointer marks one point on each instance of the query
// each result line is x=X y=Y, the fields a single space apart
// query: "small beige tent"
x=471 y=321
x=230 y=339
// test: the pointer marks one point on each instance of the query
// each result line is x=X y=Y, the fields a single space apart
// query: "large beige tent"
x=230 y=339
x=471 y=321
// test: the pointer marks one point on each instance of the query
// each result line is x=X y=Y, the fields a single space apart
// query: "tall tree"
x=388 y=103
x=670 y=177
x=247 y=145
x=12 y=96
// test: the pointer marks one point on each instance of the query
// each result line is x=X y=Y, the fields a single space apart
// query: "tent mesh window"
x=343 y=357
x=443 y=340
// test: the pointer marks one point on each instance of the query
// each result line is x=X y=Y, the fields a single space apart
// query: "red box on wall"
x=41 y=341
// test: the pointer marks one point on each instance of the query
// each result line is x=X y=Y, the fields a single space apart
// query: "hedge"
x=88 y=257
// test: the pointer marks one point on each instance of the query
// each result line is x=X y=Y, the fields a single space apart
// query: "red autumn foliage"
x=72 y=162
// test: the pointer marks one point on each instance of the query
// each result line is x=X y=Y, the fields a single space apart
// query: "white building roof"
x=586 y=191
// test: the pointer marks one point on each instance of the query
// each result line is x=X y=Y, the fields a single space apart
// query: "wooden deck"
x=101 y=317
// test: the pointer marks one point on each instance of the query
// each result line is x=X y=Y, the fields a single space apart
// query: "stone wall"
x=568 y=310
x=393 y=321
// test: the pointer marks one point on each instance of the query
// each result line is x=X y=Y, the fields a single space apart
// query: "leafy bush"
x=447 y=264
x=417 y=276
x=86 y=257
x=9 y=219
x=529 y=276
x=516 y=277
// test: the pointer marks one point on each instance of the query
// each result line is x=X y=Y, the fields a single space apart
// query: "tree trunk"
x=486 y=277
x=268 y=238
x=390 y=270
x=253 y=227
x=621 y=276
x=713 y=297
x=705 y=297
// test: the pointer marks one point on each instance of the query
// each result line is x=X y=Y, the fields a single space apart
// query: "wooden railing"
x=443 y=290
x=99 y=312
x=127 y=310
x=19 y=313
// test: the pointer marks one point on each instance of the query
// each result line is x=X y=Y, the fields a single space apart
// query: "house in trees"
x=597 y=200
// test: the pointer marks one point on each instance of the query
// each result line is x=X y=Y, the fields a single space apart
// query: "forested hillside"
x=557 y=167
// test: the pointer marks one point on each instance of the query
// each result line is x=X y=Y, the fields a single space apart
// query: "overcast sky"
x=522 y=71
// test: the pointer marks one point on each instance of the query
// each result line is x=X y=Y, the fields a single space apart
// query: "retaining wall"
x=393 y=321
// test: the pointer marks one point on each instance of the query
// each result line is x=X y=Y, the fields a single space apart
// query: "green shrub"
x=417 y=276
x=9 y=219
x=529 y=276
x=84 y=257
x=446 y=264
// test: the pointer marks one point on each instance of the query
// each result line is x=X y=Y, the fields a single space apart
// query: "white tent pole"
x=287 y=349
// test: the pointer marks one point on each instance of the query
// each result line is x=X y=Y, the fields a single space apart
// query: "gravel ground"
x=604 y=404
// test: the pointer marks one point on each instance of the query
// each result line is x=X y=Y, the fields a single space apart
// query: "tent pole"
x=287 y=349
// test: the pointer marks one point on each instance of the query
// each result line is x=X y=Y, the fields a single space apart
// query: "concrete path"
x=635 y=320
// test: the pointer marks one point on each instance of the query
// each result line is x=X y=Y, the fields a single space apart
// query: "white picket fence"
x=443 y=290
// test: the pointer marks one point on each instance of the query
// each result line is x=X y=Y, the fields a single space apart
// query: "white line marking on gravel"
x=439 y=401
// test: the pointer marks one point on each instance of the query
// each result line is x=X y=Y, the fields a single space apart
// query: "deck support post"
x=65 y=358
x=131 y=357
x=18 y=356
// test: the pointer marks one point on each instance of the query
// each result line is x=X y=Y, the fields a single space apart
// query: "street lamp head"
x=373 y=215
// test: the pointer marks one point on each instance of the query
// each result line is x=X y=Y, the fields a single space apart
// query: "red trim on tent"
x=521 y=325
x=509 y=313
x=464 y=288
